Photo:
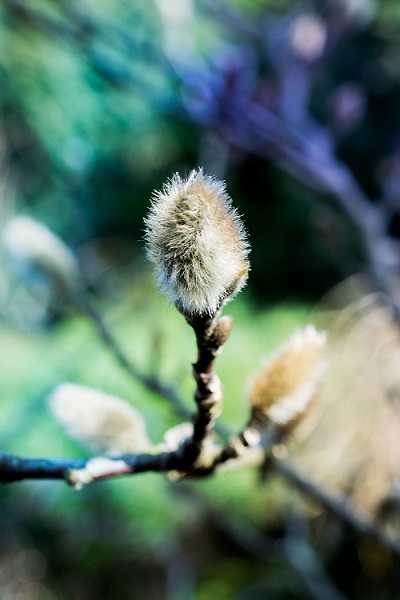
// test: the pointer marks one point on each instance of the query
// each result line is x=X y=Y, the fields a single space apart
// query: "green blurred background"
x=97 y=109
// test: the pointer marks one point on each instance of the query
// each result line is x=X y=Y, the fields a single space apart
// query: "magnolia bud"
x=197 y=242
x=102 y=422
x=37 y=253
x=288 y=381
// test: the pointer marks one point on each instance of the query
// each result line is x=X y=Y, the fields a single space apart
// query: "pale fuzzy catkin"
x=100 y=421
x=288 y=380
x=32 y=247
x=197 y=242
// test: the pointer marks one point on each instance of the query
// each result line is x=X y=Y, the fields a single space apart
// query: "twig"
x=150 y=381
x=207 y=404
x=79 y=472
x=211 y=334
x=305 y=562
x=339 y=506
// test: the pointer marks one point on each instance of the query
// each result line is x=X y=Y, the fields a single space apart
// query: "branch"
x=79 y=472
x=211 y=334
x=299 y=152
x=336 y=504
x=151 y=382
x=208 y=394
x=306 y=562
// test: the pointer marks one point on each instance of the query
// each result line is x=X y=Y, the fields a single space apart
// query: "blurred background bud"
x=100 y=421
x=43 y=263
x=308 y=36
x=288 y=381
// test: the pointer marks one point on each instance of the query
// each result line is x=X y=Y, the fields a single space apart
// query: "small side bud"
x=197 y=242
x=221 y=332
x=36 y=252
x=96 y=469
x=176 y=436
x=102 y=422
x=285 y=386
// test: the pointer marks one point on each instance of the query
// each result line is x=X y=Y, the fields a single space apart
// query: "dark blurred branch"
x=232 y=19
x=301 y=156
x=151 y=382
x=301 y=146
x=293 y=545
x=80 y=472
x=83 y=33
x=291 y=136
x=208 y=390
x=305 y=561
x=336 y=504
x=41 y=21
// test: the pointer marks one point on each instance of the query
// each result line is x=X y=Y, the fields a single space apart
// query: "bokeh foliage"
x=92 y=119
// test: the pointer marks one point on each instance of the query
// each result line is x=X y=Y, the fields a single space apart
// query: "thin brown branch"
x=336 y=504
x=305 y=561
x=151 y=382
x=211 y=334
x=80 y=472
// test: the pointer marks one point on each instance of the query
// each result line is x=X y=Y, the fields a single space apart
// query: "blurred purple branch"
x=305 y=560
x=286 y=134
x=81 y=31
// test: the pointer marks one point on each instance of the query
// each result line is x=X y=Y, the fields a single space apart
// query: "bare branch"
x=151 y=382
x=14 y=468
x=305 y=561
x=336 y=504
x=208 y=394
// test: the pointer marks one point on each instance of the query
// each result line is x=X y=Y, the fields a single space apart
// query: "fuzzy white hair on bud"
x=197 y=242
x=100 y=421
x=289 y=379
x=36 y=252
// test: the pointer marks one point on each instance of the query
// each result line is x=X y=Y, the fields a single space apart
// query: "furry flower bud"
x=288 y=381
x=197 y=242
x=37 y=253
x=102 y=422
